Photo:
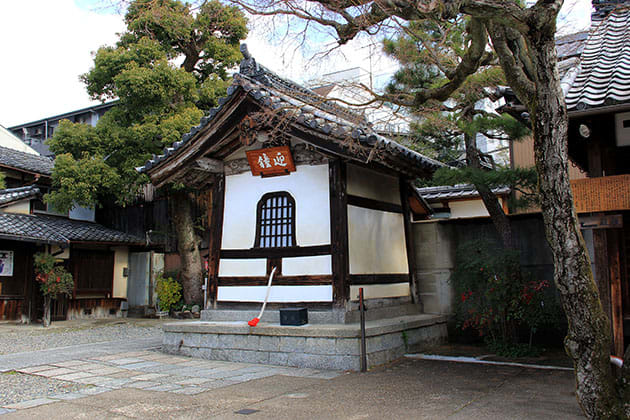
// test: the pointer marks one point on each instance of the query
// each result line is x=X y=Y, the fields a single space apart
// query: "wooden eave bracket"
x=209 y=165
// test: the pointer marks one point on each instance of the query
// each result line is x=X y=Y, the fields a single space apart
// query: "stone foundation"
x=323 y=346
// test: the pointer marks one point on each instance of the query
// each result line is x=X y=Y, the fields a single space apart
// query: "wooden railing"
x=606 y=193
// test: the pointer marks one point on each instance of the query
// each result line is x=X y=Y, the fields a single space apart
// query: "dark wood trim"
x=259 y=216
x=296 y=251
x=274 y=262
x=614 y=269
x=277 y=281
x=339 y=231
x=216 y=235
x=369 y=203
x=356 y=279
x=405 y=192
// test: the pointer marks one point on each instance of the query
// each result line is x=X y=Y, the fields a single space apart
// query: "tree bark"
x=588 y=340
x=187 y=247
x=497 y=215
x=46 y=316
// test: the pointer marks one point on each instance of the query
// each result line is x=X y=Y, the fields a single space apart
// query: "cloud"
x=45 y=46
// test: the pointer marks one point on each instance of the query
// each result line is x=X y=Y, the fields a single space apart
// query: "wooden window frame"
x=259 y=219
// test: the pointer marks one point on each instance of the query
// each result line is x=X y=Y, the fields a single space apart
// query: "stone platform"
x=319 y=346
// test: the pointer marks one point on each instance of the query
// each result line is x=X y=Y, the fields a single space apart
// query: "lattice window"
x=275 y=221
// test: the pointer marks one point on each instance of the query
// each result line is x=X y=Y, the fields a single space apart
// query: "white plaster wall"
x=121 y=261
x=58 y=252
x=380 y=291
x=376 y=241
x=278 y=294
x=468 y=208
x=311 y=266
x=309 y=187
x=371 y=184
x=22 y=207
x=252 y=268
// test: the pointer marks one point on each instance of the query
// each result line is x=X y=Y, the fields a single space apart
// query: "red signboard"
x=271 y=161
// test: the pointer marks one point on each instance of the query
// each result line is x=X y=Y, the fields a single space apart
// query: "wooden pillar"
x=216 y=233
x=600 y=251
x=339 y=231
x=614 y=267
x=405 y=193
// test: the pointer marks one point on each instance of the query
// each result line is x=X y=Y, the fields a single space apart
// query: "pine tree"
x=428 y=51
x=158 y=101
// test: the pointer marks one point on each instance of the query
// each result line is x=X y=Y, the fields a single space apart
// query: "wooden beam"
x=357 y=279
x=614 y=267
x=209 y=165
x=405 y=192
x=295 y=251
x=369 y=203
x=322 y=280
x=339 y=231
x=216 y=234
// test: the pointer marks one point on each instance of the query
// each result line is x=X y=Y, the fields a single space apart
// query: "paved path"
x=408 y=389
x=127 y=379
x=133 y=364
x=61 y=354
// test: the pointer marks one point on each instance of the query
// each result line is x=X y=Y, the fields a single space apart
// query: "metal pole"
x=363 y=347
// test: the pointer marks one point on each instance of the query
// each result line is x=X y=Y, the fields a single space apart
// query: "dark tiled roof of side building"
x=25 y=161
x=11 y=195
x=51 y=229
x=604 y=76
x=452 y=192
x=309 y=109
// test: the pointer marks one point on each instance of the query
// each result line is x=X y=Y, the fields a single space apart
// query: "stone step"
x=319 y=316
x=324 y=346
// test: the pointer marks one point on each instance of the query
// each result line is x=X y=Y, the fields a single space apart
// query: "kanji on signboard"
x=271 y=161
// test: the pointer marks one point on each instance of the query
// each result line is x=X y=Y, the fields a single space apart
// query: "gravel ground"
x=21 y=338
x=16 y=387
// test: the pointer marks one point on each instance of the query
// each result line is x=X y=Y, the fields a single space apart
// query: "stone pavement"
x=152 y=371
x=148 y=384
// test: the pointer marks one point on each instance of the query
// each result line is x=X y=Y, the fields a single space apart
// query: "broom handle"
x=267 y=295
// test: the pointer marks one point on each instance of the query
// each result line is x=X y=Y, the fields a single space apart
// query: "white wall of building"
x=469 y=208
x=121 y=262
x=7 y=139
x=307 y=266
x=376 y=242
x=278 y=294
x=366 y=183
x=376 y=238
x=380 y=291
x=308 y=185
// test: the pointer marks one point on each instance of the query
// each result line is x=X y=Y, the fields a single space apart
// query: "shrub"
x=53 y=280
x=169 y=292
x=497 y=299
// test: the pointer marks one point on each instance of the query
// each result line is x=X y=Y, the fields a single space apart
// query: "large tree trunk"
x=497 y=215
x=187 y=247
x=589 y=340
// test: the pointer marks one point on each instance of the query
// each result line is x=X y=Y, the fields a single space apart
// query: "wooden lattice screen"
x=601 y=194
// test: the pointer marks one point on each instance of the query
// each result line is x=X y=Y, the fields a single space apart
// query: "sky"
x=46 y=45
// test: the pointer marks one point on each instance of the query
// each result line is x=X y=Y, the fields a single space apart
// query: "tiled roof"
x=14 y=194
x=337 y=123
x=50 y=229
x=25 y=161
x=448 y=192
x=571 y=45
x=604 y=77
